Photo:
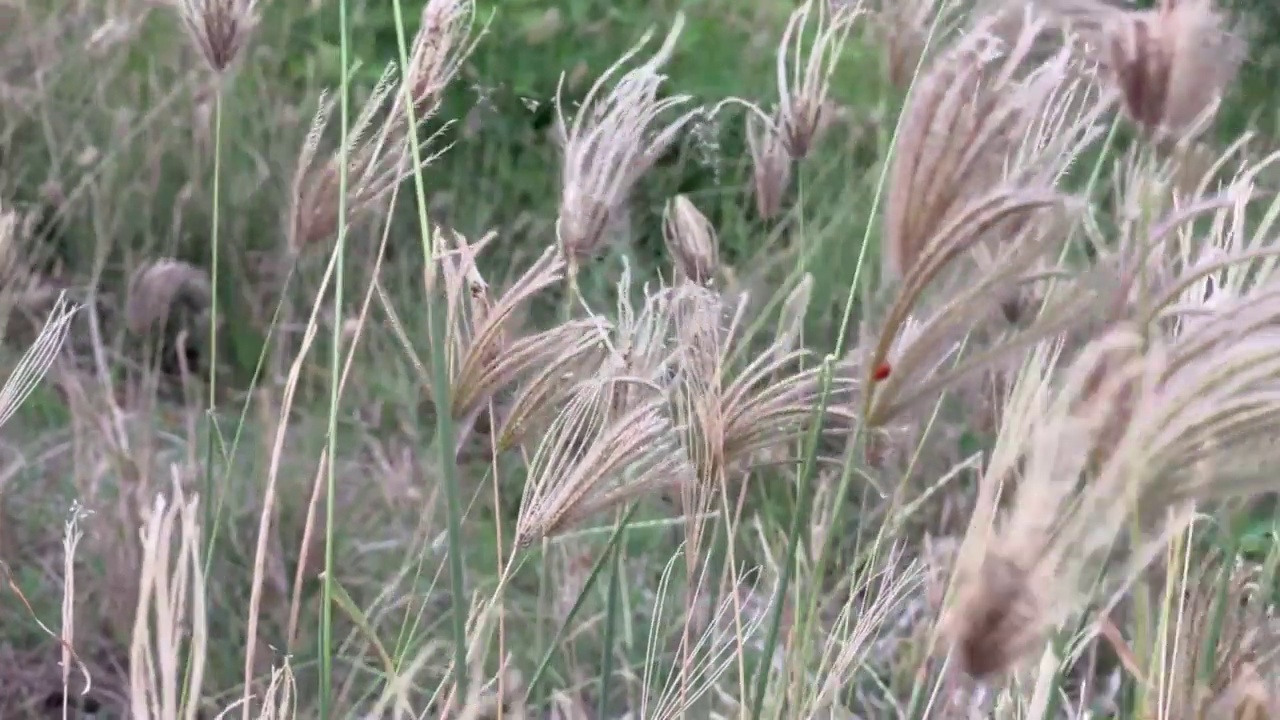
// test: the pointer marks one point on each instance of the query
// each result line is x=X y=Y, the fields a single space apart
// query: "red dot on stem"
x=881 y=372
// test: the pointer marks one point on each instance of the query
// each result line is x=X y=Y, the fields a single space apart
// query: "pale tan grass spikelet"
x=218 y=28
x=735 y=414
x=36 y=361
x=1142 y=427
x=159 y=288
x=1018 y=576
x=691 y=239
x=487 y=358
x=804 y=82
x=770 y=165
x=613 y=140
x=444 y=41
x=640 y=355
x=377 y=161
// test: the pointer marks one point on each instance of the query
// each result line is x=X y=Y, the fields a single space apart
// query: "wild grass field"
x=639 y=359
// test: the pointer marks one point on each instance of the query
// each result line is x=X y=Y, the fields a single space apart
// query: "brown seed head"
x=1171 y=64
x=157 y=289
x=218 y=28
x=770 y=165
x=691 y=240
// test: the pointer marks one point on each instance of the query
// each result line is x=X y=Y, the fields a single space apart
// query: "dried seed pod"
x=770 y=166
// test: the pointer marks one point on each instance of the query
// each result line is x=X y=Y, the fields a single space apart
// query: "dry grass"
x=675 y=503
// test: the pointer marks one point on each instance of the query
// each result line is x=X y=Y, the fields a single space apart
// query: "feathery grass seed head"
x=803 y=86
x=586 y=464
x=218 y=28
x=770 y=165
x=1173 y=63
x=380 y=146
x=612 y=141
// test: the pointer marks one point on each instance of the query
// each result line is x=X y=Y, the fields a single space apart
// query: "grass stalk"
x=212 y=517
x=440 y=380
x=794 y=541
x=614 y=538
x=610 y=623
x=335 y=365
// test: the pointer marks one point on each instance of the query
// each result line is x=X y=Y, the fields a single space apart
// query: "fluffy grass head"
x=617 y=134
x=219 y=29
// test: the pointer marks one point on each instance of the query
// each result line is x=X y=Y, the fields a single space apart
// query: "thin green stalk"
x=590 y=583
x=440 y=382
x=335 y=365
x=798 y=517
x=210 y=413
x=229 y=455
x=610 y=621
x=846 y=473
x=211 y=518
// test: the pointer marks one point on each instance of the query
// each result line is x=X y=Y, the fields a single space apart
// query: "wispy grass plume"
x=984 y=139
x=586 y=464
x=378 y=146
x=613 y=140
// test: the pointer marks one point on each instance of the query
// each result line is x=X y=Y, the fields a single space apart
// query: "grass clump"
x=950 y=394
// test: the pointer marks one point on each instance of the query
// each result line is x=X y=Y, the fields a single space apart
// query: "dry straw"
x=170 y=625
